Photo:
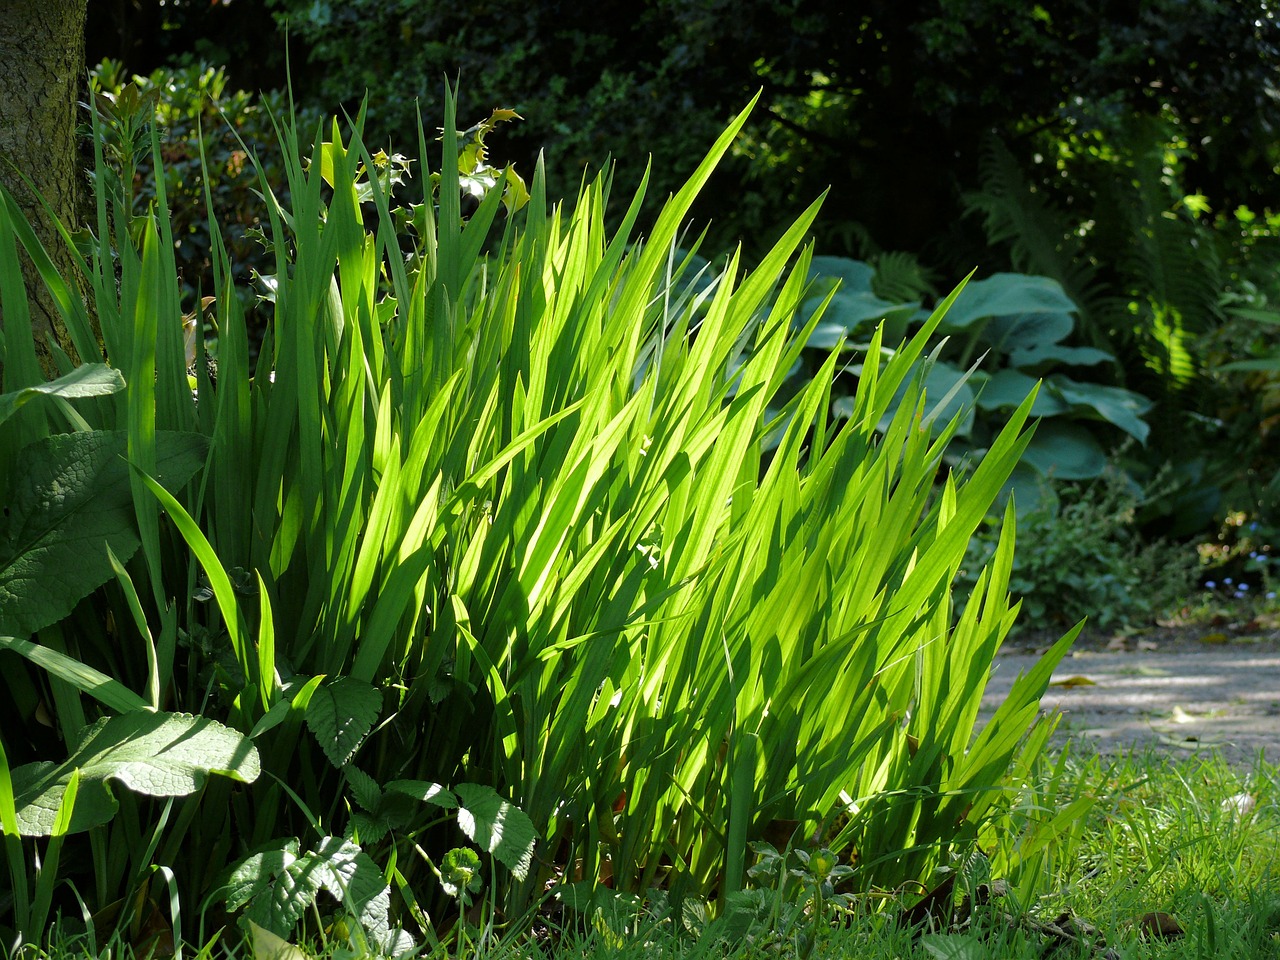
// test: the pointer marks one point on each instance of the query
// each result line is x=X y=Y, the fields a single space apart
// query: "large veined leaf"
x=340 y=715
x=70 y=502
x=1124 y=408
x=1006 y=389
x=89 y=380
x=497 y=827
x=156 y=754
x=1016 y=332
x=1065 y=451
x=1008 y=294
x=1041 y=356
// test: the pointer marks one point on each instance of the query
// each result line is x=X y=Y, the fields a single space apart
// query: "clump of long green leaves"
x=504 y=507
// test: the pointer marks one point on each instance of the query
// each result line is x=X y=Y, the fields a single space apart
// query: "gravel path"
x=1176 y=693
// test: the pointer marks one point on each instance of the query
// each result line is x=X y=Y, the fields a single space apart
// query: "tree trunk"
x=41 y=73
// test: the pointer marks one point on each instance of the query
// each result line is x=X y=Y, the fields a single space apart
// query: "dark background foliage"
x=1127 y=149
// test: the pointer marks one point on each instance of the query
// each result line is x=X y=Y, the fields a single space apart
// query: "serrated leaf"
x=366 y=827
x=89 y=380
x=364 y=788
x=71 y=500
x=156 y=754
x=498 y=827
x=340 y=715
x=349 y=875
x=257 y=872
x=426 y=791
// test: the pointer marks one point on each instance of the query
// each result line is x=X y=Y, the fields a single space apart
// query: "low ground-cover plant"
x=1082 y=554
x=495 y=546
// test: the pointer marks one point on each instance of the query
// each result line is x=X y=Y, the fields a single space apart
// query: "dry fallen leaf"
x=1214 y=638
x=1147 y=645
x=1074 y=682
x=1241 y=804
x=1161 y=925
x=1181 y=716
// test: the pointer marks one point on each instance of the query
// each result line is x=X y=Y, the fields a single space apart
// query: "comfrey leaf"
x=156 y=754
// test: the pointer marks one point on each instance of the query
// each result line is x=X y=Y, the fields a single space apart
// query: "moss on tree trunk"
x=41 y=73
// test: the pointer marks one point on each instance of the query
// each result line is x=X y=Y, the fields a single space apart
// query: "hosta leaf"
x=341 y=714
x=1045 y=355
x=497 y=827
x=71 y=500
x=1028 y=331
x=89 y=380
x=1124 y=408
x=1065 y=451
x=845 y=312
x=1006 y=389
x=1007 y=294
x=852 y=274
x=156 y=754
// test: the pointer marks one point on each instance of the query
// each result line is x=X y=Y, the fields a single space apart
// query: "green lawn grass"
x=1189 y=843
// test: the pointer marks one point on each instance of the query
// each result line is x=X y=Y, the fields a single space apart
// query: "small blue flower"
x=1271 y=595
x=1244 y=588
x=1227 y=580
x=1211 y=584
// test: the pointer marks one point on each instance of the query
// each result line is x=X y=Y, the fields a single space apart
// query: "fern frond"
x=1173 y=264
x=900 y=278
x=1041 y=238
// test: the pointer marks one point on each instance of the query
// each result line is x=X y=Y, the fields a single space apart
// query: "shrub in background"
x=1081 y=554
x=486 y=547
x=209 y=137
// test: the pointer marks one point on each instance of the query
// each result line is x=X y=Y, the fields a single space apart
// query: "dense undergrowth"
x=508 y=568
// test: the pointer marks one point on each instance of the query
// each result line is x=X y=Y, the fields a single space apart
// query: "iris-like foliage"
x=511 y=505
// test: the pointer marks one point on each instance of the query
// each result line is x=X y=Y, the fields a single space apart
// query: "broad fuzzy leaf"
x=156 y=754
x=341 y=714
x=497 y=826
x=72 y=500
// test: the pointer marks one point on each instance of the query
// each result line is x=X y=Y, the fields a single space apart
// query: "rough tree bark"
x=41 y=71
